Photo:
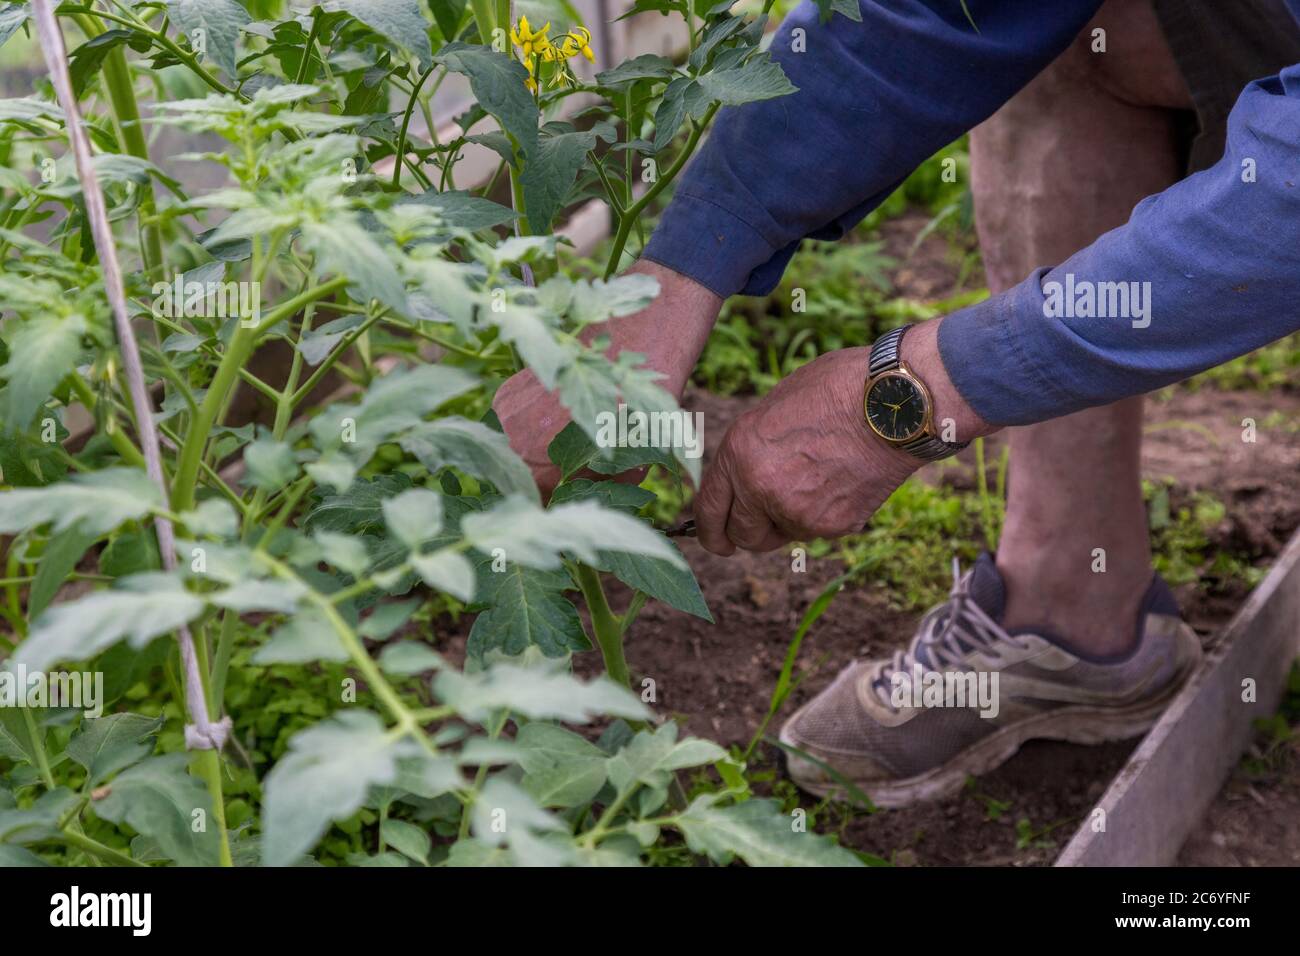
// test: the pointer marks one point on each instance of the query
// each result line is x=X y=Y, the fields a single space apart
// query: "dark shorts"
x=1220 y=46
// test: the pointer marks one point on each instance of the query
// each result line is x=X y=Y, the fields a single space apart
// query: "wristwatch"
x=897 y=405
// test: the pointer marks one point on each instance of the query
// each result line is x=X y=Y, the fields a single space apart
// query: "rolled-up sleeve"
x=1204 y=272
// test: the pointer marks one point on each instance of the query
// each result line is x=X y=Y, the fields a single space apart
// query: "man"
x=1124 y=294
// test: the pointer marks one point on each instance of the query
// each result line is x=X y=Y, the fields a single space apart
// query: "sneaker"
x=966 y=694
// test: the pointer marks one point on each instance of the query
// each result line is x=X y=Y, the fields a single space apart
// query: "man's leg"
x=1047 y=648
x=1062 y=163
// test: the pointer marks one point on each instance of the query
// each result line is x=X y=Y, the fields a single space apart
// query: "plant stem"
x=606 y=625
x=237 y=352
x=120 y=442
x=406 y=122
x=633 y=211
x=310 y=47
x=126 y=117
x=95 y=848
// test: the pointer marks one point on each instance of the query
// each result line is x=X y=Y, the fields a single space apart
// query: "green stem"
x=209 y=767
x=606 y=625
x=633 y=211
x=310 y=47
x=95 y=848
x=121 y=444
x=130 y=133
x=237 y=353
x=406 y=122
x=38 y=748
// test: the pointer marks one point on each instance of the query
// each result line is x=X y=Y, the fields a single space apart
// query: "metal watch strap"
x=885 y=357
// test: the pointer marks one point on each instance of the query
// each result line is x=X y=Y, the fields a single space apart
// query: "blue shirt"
x=1203 y=272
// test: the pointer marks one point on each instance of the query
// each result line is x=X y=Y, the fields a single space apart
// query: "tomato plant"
x=320 y=329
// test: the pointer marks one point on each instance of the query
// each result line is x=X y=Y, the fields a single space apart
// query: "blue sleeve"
x=875 y=100
x=1209 y=270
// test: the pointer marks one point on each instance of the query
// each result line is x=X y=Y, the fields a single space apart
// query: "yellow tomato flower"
x=581 y=39
x=530 y=42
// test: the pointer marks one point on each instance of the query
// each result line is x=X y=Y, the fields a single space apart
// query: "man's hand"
x=670 y=333
x=803 y=463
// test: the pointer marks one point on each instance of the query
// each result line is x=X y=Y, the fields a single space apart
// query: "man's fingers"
x=712 y=506
x=750 y=528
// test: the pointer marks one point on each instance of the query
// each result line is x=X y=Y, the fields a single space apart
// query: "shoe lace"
x=947 y=633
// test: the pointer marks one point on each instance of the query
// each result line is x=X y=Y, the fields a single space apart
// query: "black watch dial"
x=895 y=408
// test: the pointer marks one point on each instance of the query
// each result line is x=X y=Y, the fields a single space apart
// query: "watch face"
x=895 y=408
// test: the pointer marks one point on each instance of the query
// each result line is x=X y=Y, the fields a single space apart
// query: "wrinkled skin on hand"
x=801 y=464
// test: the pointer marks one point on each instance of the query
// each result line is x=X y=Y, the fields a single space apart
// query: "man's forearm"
x=1202 y=273
x=875 y=100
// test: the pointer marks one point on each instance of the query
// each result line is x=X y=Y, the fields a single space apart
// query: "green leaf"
x=41 y=354
x=448 y=14
x=12 y=16
x=18 y=856
x=447 y=571
x=325 y=776
x=342 y=246
x=98 y=501
x=359 y=509
x=537 y=538
x=759 y=833
x=130 y=552
x=497 y=82
x=526 y=607
x=463 y=210
x=848 y=8
x=306 y=636
x=473 y=448
x=406 y=658
x=536 y=693
x=647 y=66
x=271 y=464
x=530 y=331
x=571 y=450
x=387 y=618
x=214 y=517
x=414 y=516
x=346 y=552
x=16 y=741
x=62 y=554
x=158 y=798
x=39 y=821
x=105 y=745
x=143 y=607
x=85 y=62
x=220 y=21
x=600 y=300
x=673 y=584
x=760 y=78
x=407 y=839
x=398 y=21
x=526 y=827
x=254 y=594
x=650 y=758
x=390 y=405
x=612 y=494
x=561 y=769
x=672 y=109
x=548 y=177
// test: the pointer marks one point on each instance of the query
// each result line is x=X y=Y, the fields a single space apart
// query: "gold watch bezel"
x=927 y=419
